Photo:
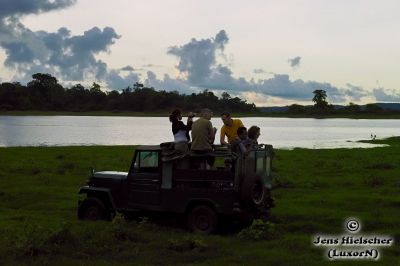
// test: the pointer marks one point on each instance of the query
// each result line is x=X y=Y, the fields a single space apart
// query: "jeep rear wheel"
x=253 y=191
x=202 y=219
x=92 y=209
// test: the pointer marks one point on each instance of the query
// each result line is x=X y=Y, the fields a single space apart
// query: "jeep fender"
x=197 y=202
x=104 y=194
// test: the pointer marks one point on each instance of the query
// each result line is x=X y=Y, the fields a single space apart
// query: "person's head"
x=175 y=115
x=253 y=132
x=226 y=119
x=242 y=133
x=206 y=113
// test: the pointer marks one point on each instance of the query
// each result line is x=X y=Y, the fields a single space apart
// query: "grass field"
x=315 y=191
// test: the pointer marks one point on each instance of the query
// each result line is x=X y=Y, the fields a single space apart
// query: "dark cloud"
x=74 y=56
x=198 y=57
x=281 y=86
x=355 y=93
x=127 y=68
x=295 y=62
x=262 y=71
x=259 y=71
x=151 y=65
x=68 y=57
x=168 y=83
x=17 y=53
x=386 y=95
x=118 y=82
x=23 y=7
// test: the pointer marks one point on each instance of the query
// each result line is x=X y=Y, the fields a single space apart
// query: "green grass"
x=315 y=191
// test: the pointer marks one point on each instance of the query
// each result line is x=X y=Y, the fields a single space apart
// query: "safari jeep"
x=159 y=180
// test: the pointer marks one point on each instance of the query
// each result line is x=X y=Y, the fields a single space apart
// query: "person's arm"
x=182 y=126
x=242 y=147
x=222 y=136
x=240 y=123
x=189 y=123
x=211 y=132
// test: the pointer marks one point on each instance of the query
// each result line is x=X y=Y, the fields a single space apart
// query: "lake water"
x=101 y=130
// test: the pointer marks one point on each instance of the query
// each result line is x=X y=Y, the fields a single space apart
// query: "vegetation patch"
x=381 y=166
x=187 y=243
x=260 y=230
x=374 y=181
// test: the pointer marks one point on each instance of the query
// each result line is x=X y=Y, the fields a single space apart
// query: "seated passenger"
x=252 y=141
x=238 y=145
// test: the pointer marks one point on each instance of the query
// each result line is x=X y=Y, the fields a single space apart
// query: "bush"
x=35 y=240
x=187 y=244
x=260 y=230
x=374 y=181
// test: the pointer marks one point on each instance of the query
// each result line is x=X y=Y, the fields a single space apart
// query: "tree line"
x=44 y=93
x=322 y=107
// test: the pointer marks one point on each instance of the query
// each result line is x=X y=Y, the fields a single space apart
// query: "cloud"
x=198 y=64
x=127 y=68
x=295 y=62
x=262 y=71
x=386 y=95
x=169 y=84
x=281 y=86
x=151 y=65
x=259 y=71
x=355 y=93
x=23 y=7
x=17 y=52
x=68 y=57
x=118 y=82
x=198 y=57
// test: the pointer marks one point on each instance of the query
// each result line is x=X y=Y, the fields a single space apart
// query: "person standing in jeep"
x=203 y=135
x=180 y=130
x=229 y=129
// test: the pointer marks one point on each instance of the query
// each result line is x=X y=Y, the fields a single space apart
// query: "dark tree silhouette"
x=320 y=99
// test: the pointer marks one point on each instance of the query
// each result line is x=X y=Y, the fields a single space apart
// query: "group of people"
x=203 y=133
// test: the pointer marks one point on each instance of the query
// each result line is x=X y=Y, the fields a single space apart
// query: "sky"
x=268 y=52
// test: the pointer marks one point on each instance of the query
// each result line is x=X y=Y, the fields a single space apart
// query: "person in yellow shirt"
x=229 y=129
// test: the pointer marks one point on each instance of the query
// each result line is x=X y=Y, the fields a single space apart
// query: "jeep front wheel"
x=92 y=209
x=202 y=219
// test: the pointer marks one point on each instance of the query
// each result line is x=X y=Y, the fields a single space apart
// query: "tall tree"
x=320 y=99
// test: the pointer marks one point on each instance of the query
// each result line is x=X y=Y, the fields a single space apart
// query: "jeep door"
x=144 y=180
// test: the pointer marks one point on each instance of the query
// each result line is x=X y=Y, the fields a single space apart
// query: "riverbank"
x=165 y=114
x=315 y=191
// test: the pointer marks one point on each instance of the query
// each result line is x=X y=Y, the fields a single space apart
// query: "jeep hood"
x=110 y=175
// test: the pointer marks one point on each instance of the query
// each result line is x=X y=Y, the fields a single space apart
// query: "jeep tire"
x=202 y=219
x=92 y=209
x=253 y=192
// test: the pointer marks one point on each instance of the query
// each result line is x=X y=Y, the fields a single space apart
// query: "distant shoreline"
x=165 y=114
